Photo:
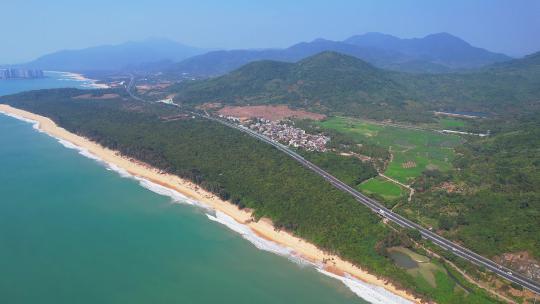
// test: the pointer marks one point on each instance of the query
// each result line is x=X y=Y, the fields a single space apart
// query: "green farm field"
x=383 y=187
x=414 y=151
x=451 y=123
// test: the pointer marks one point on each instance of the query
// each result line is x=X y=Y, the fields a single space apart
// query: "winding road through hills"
x=378 y=207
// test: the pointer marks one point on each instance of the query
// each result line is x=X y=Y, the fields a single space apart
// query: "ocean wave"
x=175 y=196
x=85 y=82
x=371 y=293
x=123 y=173
x=34 y=123
x=248 y=234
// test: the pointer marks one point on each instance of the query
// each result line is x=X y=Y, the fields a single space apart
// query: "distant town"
x=21 y=74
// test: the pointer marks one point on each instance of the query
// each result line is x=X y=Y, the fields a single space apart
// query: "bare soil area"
x=277 y=112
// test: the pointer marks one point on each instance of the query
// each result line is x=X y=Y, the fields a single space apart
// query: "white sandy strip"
x=87 y=82
x=261 y=233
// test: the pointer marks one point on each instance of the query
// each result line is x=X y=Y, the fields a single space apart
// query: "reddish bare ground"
x=449 y=187
x=521 y=261
x=210 y=106
x=268 y=112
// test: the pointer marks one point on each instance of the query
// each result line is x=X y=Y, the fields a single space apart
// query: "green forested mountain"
x=326 y=82
x=326 y=77
x=334 y=83
x=504 y=88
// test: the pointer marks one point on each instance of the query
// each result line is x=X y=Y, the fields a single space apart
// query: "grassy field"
x=413 y=150
x=383 y=187
x=424 y=270
x=435 y=279
x=451 y=123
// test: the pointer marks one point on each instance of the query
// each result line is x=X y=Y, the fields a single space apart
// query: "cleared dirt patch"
x=522 y=262
x=104 y=96
x=210 y=106
x=448 y=187
x=147 y=87
x=143 y=88
x=278 y=112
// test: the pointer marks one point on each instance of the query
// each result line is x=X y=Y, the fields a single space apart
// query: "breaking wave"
x=248 y=234
x=371 y=293
x=84 y=82
x=34 y=123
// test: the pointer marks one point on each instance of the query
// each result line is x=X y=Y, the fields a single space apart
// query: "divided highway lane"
x=130 y=85
x=394 y=217
x=378 y=207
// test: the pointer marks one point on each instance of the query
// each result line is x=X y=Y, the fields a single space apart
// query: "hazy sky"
x=30 y=28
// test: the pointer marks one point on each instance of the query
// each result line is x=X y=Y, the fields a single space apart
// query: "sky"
x=31 y=28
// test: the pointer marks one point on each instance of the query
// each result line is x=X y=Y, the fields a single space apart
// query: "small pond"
x=402 y=260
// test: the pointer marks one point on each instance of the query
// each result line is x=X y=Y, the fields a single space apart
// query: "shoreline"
x=328 y=264
x=92 y=83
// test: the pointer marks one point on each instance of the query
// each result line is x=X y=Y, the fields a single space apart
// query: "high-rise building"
x=20 y=73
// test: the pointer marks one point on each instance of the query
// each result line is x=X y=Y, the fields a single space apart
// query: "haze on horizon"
x=40 y=27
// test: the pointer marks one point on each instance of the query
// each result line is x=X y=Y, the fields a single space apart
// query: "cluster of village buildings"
x=290 y=135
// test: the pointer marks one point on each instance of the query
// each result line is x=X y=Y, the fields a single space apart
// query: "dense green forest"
x=333 y=83
x=348 y=169
x=495 y=207
x=243 y=170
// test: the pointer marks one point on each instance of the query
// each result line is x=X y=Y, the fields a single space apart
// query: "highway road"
x=130 y=85
x=379 y=208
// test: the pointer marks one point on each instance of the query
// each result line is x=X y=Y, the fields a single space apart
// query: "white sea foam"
x=368 y=292
x=120 y=171
x=249 y=235
x=371 y=293
x=34 y=123
x=175 y=196
x=85 y=82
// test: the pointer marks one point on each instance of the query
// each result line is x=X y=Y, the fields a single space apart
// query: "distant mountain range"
x=115 y=57
x=331 y=82
x=434 y=53
x=440 y=49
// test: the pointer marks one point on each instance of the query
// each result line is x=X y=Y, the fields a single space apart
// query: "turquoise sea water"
x=74 y=231
x=52 y=80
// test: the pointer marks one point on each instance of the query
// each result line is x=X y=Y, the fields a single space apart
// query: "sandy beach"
x=263 y=227
x=80 y=77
